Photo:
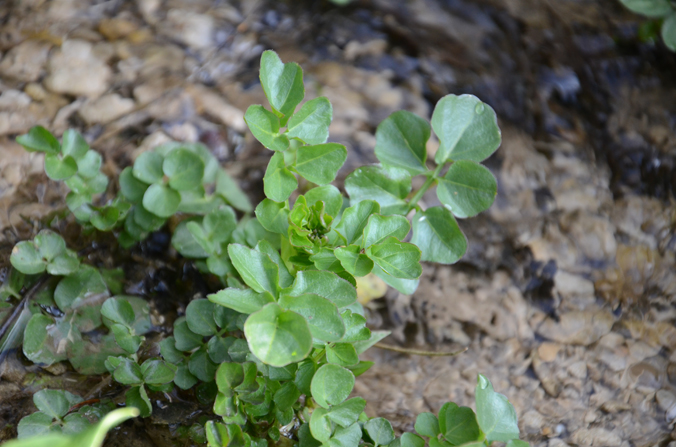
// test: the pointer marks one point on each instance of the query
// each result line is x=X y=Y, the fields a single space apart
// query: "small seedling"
x=663 y=17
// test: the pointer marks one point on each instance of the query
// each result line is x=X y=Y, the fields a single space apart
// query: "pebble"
x=26 y=61
x=73 y=70
x=192 y=29
x=105 y=109
x=577 y=327
x=666 y=400
x=596 y=437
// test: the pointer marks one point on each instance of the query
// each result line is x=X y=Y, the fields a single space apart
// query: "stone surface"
x=26 y=61
x=106 y=109
x=73 y=70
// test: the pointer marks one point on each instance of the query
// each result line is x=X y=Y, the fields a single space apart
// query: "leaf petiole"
x=423 y=189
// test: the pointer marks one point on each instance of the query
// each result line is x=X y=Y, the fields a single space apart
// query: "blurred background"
x=566 y=297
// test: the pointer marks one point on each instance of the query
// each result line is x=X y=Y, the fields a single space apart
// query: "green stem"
x=428 y=183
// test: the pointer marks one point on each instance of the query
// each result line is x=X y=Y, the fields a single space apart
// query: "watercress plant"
x=276 y=351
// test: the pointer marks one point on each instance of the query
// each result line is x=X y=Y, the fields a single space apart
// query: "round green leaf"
x=36 y=424
x=467 y=188
x=118 y=310
x=320 y=425
x=669 y=31
x=157 y=372
x=256 y=269
x=427 y=424
x=331 y=385
x=125 y=339
x=311 y=123
x=26 y=258
x=74 y=424
x=274 y=216
x=90 y=186
x=88 y=165
x=325 y=284
x=220 y=223
x=321 y=314
x=278 y=337
x=201 y=366
x=200 y=317
x=51 y=402
x=329 y=194
x=379 y=228
x=438 y=236
x=161 y=200
x=342 y=354
x=39 y=139
x=495 y=414
x=184 y=168
x=320 y=163
x=42 y=337
x=352 y=260
x=184 y=378
x=380 y=431
x=282 y=84
x=230 y=191
x=186 y=340
x=354 y=220
x=73 y=290
x=401 y=141
x=185 y=243
x=74 y=144
x=58 y=168
x=128 y=372
x=105 y=218
x=169 y=351
x=148 y=167
x=387 y=186
x=131 y=188
x=467 y=129
x=49 y=244
x=137 y=397
x=460 y=425
x=649 y=8
x=246 y=301
x=278 y=182
x=264 y=125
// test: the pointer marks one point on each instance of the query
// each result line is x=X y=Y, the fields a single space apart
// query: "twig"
x=418 y=352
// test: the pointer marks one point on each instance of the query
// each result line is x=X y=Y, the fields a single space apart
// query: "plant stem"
x=417 y=351
x=428 y=183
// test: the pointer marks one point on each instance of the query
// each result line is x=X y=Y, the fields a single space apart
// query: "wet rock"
x=666 y=400
x=577 y=328
x=12 y=370
x=574 y=289
x=73 y=70
x=106 y=109
x=26 y=61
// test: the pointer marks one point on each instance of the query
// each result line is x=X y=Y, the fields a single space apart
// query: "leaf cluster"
x=663 y=17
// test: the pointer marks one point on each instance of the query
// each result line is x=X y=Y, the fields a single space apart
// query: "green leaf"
x=52 y=403
x=131 y=188
x=184 y=168
x=380 y=431
x=411 y=440
x=405 y=286
x=185 y=243
x=495 y=414
x=329 y=194
x=282 y=83
x=200 y=317
x=245 y=301
x=467 y=129
x=304 y=375
x=239 y=350
x=227 y=188
x=217 y=347
x=125 y=339
x=146 y=220
x=467 y=188
x=342 y=354
x=148 y=167
x=669 y=31
x=459 y=425
x=169 y=351
x=105 y=218
x=26 y=258
x=41 y=337
x=427 y=424
x=356 y=263
x=274 y=216
x=517 y=443
x=60 y=168
x=287 y=395
x=184 y=378
x=320 y=163
x=354 y=220
x=325 y=284
x=220 y=223
x=401 y=141
x=74 y=144
x=649 y=8
x=39 y=139
x=88 y=186
x=376 y=336
x=201 y=366
x=438 y=236
x=321 y=314
x=387 y=186
x=311 y=123
x=381 y=227
x=256 y=269
x=264 y=125
x=229 y=376
x=186 y=340
x=331 y=385
x=89 y=164
x=320 y=425
x=138 y=397
x=128 y=372
x=76 y=289
x=285 y=278
x=118 y=310
x=74 y=424
x=278 y=337
x=157 y=372
x=161 y=200
x=325 y=259
x=346 y=437
x=396 y=258
x=278 y=181
x=346 y=413
x=36 y=424
x=355 y=327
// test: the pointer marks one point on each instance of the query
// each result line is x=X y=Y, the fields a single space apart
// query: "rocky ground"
x=567 y=296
